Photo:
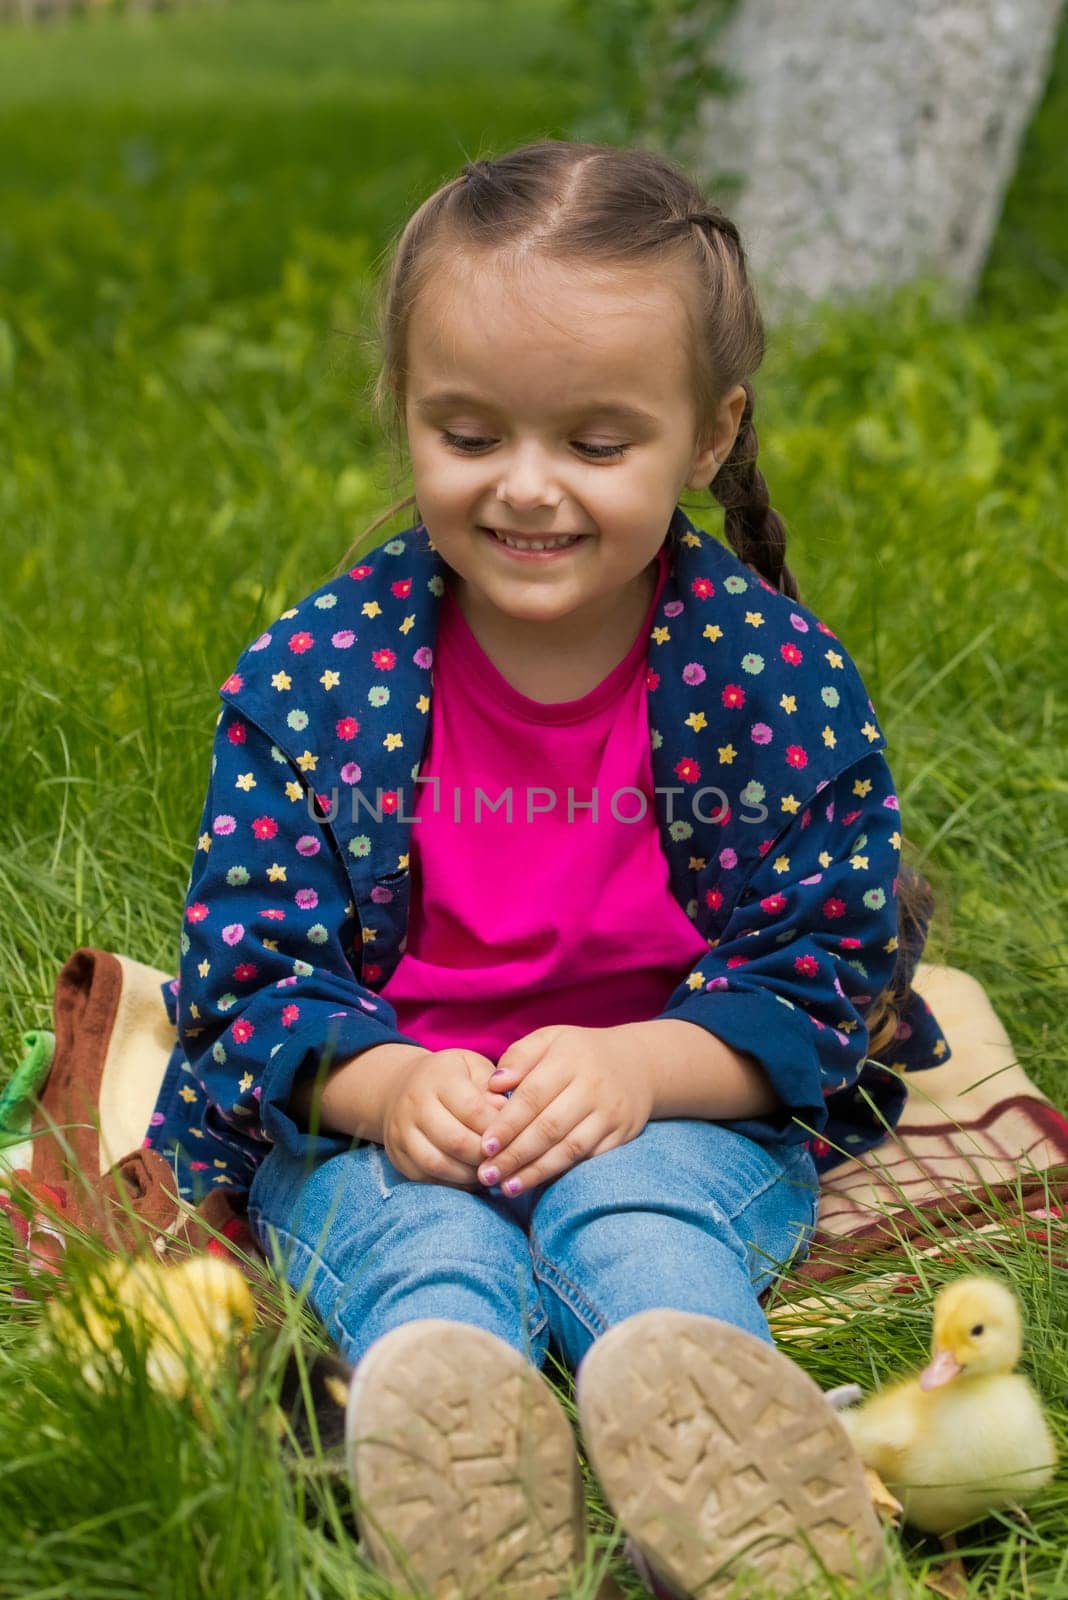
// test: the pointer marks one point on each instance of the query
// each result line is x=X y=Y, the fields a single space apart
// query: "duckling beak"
x=941 y=1369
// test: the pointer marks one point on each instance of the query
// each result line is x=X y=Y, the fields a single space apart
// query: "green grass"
x=191 y=210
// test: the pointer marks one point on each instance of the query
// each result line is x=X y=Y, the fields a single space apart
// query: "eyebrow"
x=595 y=408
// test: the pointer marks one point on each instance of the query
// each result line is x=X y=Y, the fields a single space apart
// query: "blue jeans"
x=688 y=1215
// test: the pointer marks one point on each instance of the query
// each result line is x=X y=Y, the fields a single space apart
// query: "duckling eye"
x=977 y=1330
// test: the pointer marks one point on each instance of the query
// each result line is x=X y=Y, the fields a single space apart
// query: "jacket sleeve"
x=809 y=945
x=267 y=992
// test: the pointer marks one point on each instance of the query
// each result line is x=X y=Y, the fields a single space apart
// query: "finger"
x=524 y=1054
x=578 y=1145
x=512 y=1073
x=548 y=1128
x=522 y=1107
x=474 y=1107
x=450 y=1135
x=436 y=1165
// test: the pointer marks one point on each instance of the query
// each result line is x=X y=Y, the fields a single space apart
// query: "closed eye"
x=470 y=445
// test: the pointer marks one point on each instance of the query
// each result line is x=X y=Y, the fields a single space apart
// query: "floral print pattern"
x=777 y=816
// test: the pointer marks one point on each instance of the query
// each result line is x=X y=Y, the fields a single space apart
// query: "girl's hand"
x=578 y=1092
x=433 y=1120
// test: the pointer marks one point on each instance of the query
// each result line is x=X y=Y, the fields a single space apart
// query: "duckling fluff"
x=967 y=1434
x=191 y=1313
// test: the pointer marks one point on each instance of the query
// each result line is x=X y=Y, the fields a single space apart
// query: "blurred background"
x=195 y=204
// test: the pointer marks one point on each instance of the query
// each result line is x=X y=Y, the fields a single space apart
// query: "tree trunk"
x=874 y=139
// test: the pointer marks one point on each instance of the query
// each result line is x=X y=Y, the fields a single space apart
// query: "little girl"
x=545 y=917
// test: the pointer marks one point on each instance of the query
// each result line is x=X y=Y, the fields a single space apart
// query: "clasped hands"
x=576 y=1092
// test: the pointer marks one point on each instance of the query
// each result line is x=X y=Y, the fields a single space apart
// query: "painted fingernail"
x=491 y=1146
x=490 y=1175
x=513 y=1186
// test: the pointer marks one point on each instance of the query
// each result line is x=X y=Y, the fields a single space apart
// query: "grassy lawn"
x=192 y=207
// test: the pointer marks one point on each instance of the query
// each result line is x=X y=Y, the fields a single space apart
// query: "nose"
x=527 y=480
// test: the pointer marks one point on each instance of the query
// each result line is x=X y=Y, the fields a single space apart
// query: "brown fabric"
x=66 y=1121
x=834 y=1256
x=973 y=1123
x=101 y=1024
x=979 y=1151
x=919 y=1164
x=85 y=1004
x=848 y=1275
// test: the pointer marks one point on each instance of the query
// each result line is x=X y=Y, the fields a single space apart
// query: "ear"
x=717 y=440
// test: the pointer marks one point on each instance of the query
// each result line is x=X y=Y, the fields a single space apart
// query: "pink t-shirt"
x=547 y=917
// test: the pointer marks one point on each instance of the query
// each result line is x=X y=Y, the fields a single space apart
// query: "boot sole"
x=719 y=1456
x=463 y=1466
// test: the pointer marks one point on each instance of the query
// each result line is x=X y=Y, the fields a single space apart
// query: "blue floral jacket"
x=776 y=812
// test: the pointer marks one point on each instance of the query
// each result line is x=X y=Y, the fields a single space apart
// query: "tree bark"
x=874 y=139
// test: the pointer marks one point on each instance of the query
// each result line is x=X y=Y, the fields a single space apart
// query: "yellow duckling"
x=968 y=1434
x=190 y=1314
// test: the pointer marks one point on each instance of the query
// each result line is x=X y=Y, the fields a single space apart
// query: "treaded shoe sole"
x=465 y=1476
x=719 y=1455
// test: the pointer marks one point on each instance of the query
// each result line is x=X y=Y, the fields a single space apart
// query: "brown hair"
x=569 y=201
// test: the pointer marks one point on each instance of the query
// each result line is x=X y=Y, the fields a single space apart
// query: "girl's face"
x=553 y=401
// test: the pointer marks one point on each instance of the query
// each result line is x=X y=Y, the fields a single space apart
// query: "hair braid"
x=756 y=532
x=712 y=219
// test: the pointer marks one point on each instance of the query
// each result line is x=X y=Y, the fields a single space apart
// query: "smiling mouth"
x=532 y=542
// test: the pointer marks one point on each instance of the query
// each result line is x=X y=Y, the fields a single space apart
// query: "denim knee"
x=376 y=1249
x=689 y=1215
